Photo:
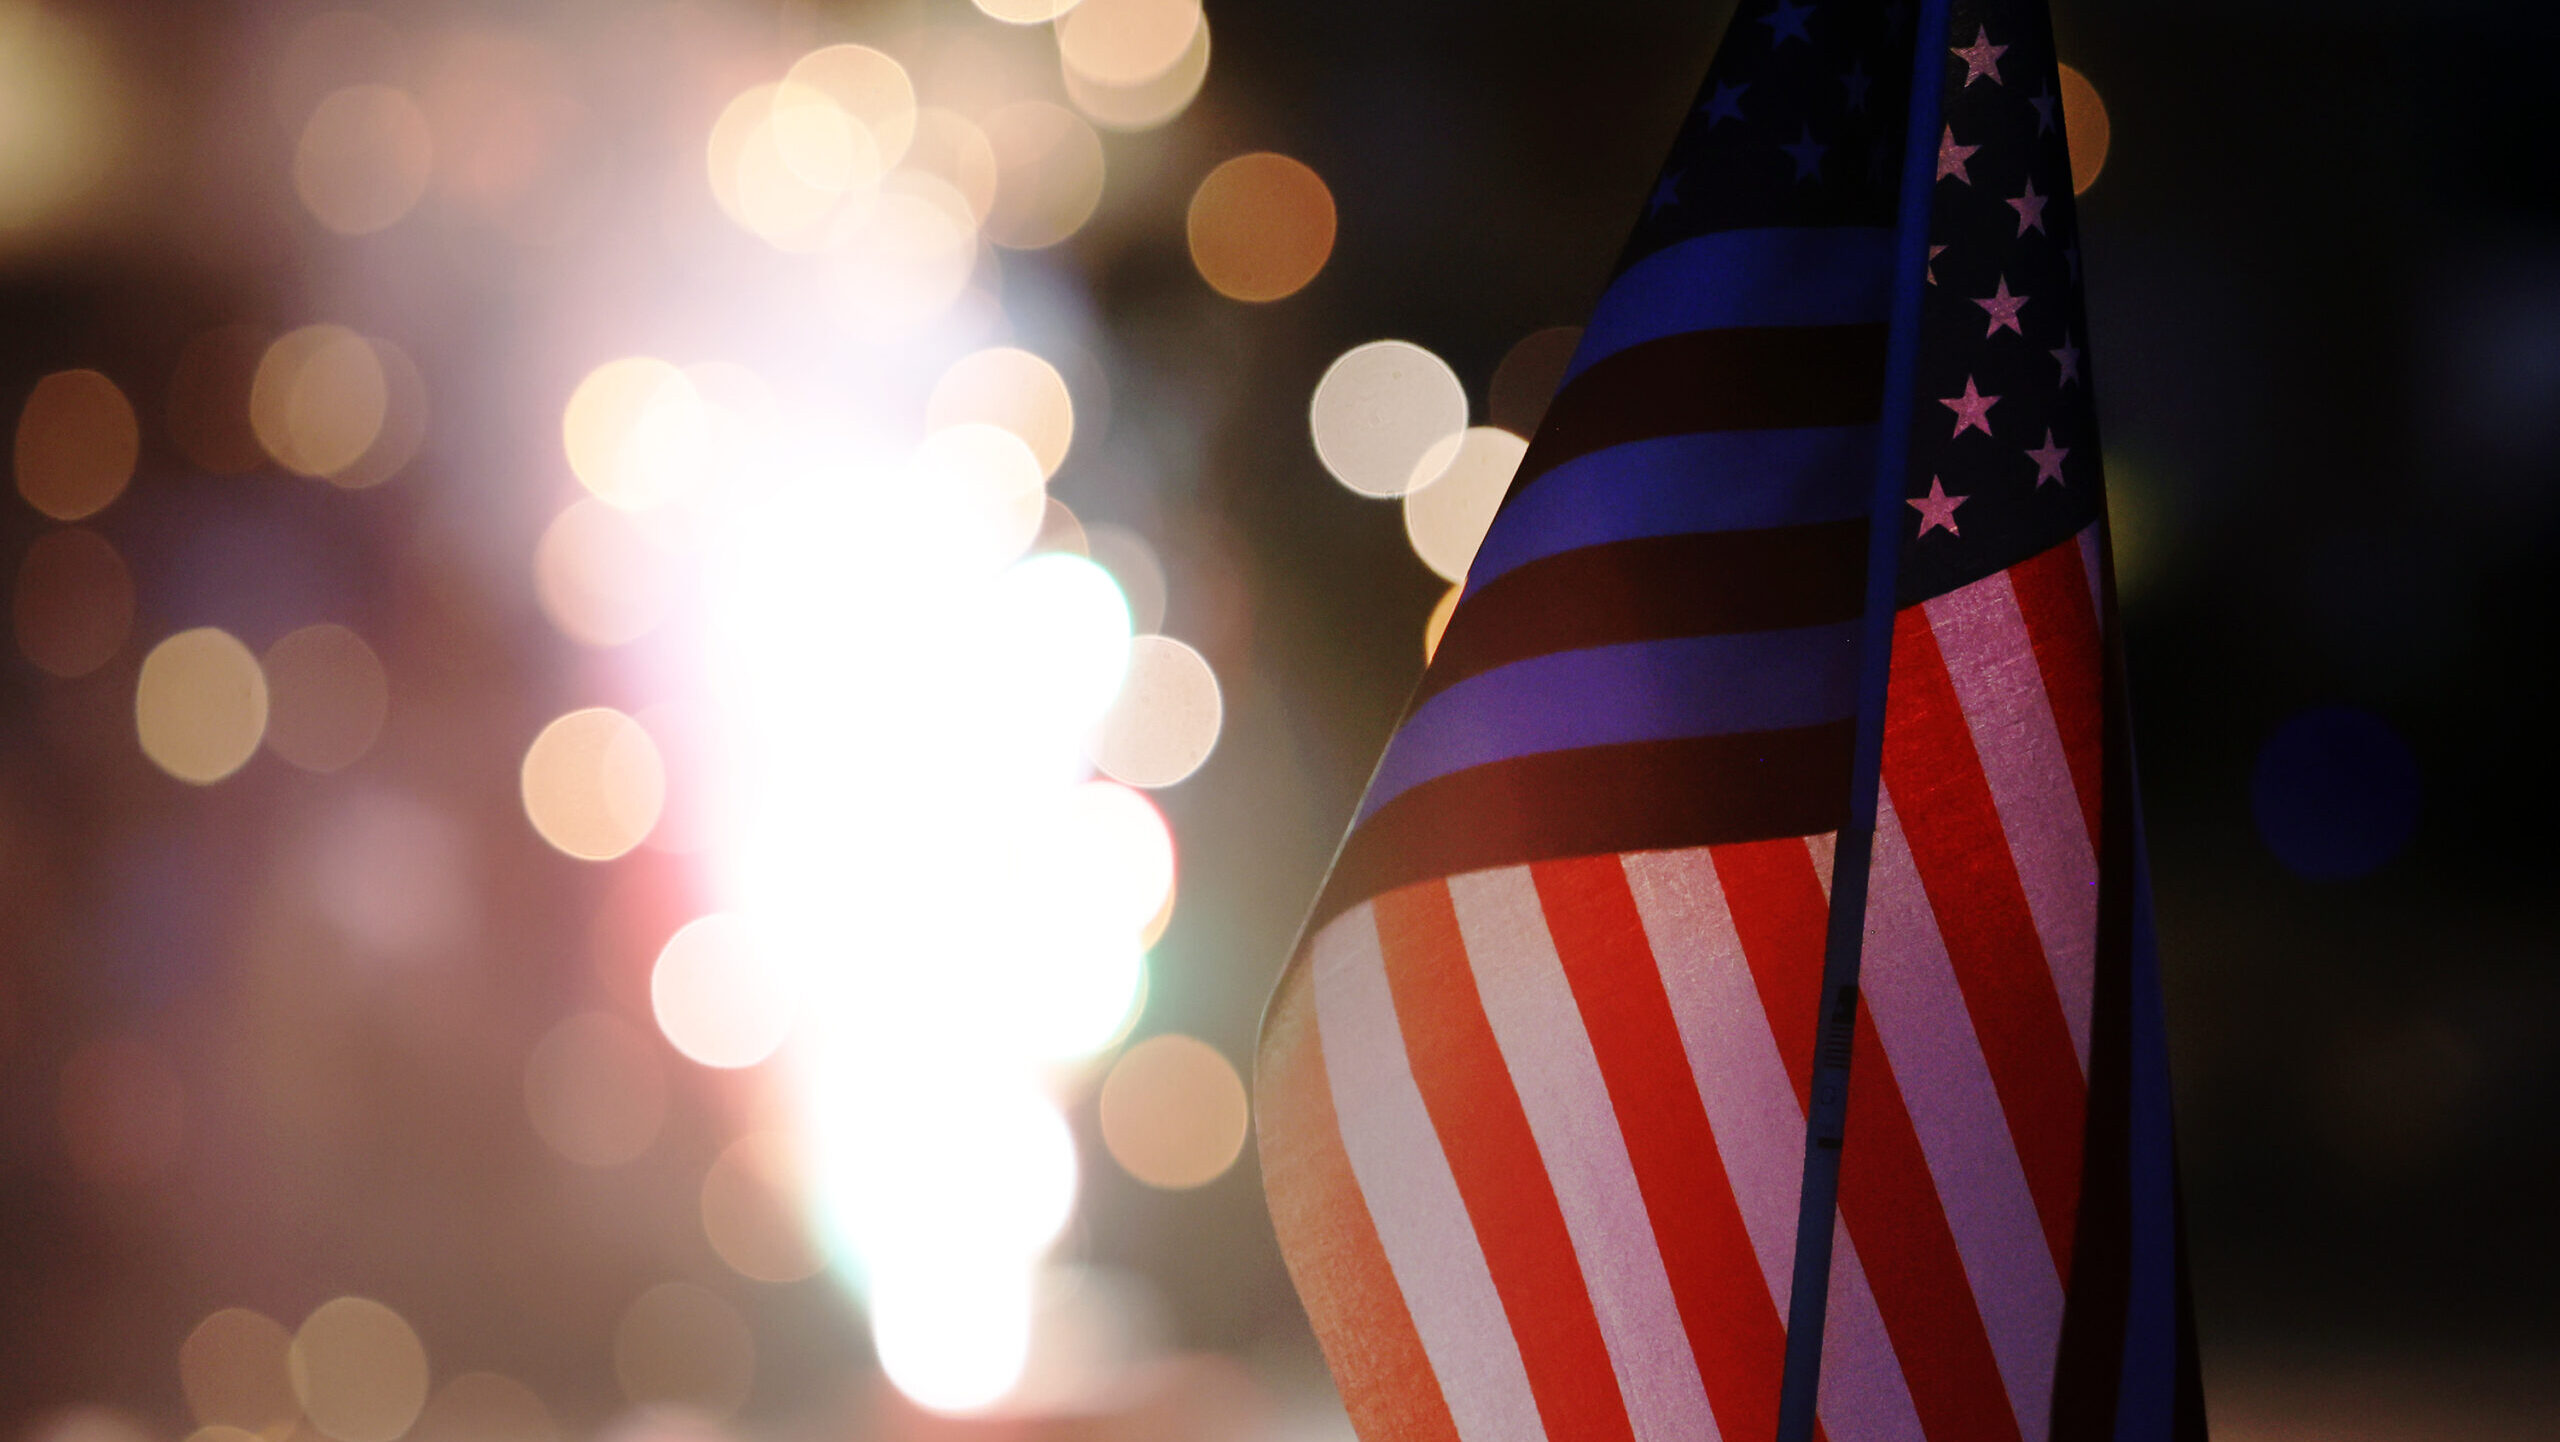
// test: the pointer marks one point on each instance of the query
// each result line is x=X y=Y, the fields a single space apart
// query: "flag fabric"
x=1805 y=571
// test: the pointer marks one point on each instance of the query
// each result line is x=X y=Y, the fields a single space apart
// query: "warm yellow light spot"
x=1126 y=42
x=485 y=1407
x=595 y=1091
x=1436 y=625
x=364 y=159
x=57 y=121
x=73 y=604
x=209 y=400
x=1261 y=226
x=637 y=432
x=319 y=399
x=200 y=705
x=1150 y=103
x=973 y=493
x=867 y=86
x=77 y=441
x=1528 y=377
x=1166 y=719
x=1048 y=174
x=911 y=256
x=326 y=697
x=951 y=148
x=123 y=1111
x=2085 y=127
x=1458 y=487
x=751 y=1211
x=593 y=784
x=1173 y=1112
x=1379 y=410
x=599 y=576
x=720 y=996
x=784 y=158
x=404 y=422
x=232 y=1369
x=359 y=1369
x=1013 y=389
x=684 y=1345
x=1024 y=12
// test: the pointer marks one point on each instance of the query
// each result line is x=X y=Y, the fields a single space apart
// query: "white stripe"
x=1928 y=1035
x=1539 y=1028
x=1759 y=1128
x=1992 y=661
x=1862 y=1395
x=1412 y=1197
x=1820 y=849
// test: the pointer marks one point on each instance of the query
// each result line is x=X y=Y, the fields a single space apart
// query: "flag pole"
x=1826 y=1119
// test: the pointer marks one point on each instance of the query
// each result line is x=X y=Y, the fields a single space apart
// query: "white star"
x=1937 y=509
x=1932 y=266
x=1665 y=195
x=2048 y=460
x=2002 y=307
x=1786 y=23
x=1951 y=156
x=1725 y=104
x=1973 y=410
x=1981 y=58
x=2069 y=358
x=1807 y=154
x=2030 y=208
x=2043 y=102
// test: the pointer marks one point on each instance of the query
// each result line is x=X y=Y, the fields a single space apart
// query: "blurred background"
x=678 y=670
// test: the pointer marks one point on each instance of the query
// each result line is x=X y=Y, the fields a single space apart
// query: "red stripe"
x=1733 y=1324
x=1779 y=911
x=1900 y=1226
x=1945 y=806
x=1467 y=1089
x=2054 y=596
x=1332 y=1247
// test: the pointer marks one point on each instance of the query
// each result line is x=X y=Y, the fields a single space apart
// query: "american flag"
x=1760 y=844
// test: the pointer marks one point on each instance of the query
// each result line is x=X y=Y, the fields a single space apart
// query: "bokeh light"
x=954 y=1342
x=600 y=577
x=364 y=158
x=58 y=122
x=683 y=1345
x=319 y=399
x=720 y=996
x=1446 y=518
x=76 y=445
x=404 y=422
x=1528 y=376
x=1379 y=410
x=209 y=400
x=910 y=258
x=1174 y=1113
x=637 y=432
x=1148 y=103
x=971 y=496
x=200 y=705
x=786 y=160
x=1166 y=720
x=123 y=1111
x=1048 y=174
x=2086 y=127
x=1261 y=226
x=1024 y=12
x=1436 y=625
x=866 y=86
x=1011 y=388
x=593 y=783
x=2335 y=793
x=72 y=606
x=485 y=1407
x=233 y=1371
x=1126 y=42
x=752 y=1213
x=326 y=697
x=950 y=147
x=359 y=1370
x=1133 y=564
x=595 y=1090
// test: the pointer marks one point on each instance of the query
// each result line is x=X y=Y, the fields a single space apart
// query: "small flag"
x=1733 y=1012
